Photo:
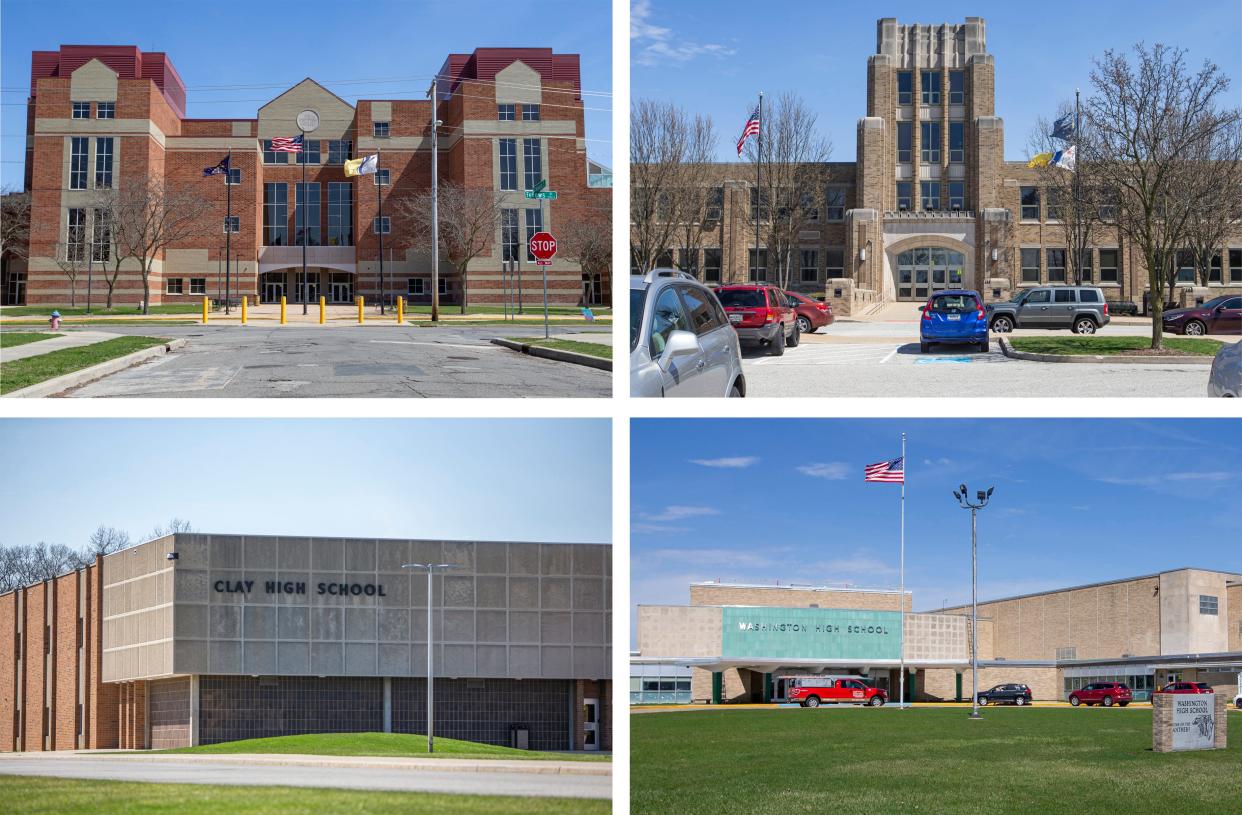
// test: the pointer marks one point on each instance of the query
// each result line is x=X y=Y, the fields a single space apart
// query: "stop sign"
x=542 y=245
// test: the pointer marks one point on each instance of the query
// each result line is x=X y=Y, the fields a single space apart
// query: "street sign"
x=543 y=246
x=543 y=263
x=547 y=195
x=543 y=182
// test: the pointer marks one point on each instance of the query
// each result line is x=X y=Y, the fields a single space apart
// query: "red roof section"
x=485 y=63
x=127 y=60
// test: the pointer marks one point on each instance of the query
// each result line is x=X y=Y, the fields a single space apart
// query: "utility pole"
x=431 y=568
x=981 y=497
x=435 y=200
x=379 y=205
x=228 y=224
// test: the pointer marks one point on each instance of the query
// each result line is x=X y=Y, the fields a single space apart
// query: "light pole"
x=982 y=498
x=434 y=93
x=431 y=674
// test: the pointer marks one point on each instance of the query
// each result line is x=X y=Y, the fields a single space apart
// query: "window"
x=711 y=265
x=905 y=194
x=1056 y=265
x=957 y=86
x=931 y=87
x=414 y=286
x=808 y=207
x=930 y=192
x=715 y=203
x=667 y=317
x=172 y=286
x=1040 y=296
x=699 y=308
x=1030 y=265
x=1052 y=207
x=905 y=141
x=379 y=130
x=381 y=226
x=506 y=112
x=81 y=110
x=271 y=156
x=1085 y=266
x=957 y=196
x=534 y=223
x=957 y=142
x=1185 y=267
x=339 y=151
x=532 y=163
x=1108 y=265
x=77 y=162
x=509 y=234
x=275 y=214
x=688 y=261
x=508 y=164
x=198 y=285
x=758 y=265
x=1208 y=604
x=232 y=223
x=1214 y=269
x=1030 y=203
x=755 y=196
x=103 y=163
x=810 y=266
x=530 y=113
x=834 y=263
x=234 y=176
x=930 y=134
x=834 y=204
x=101 y=237
x=306 y=214
x=310 y=152
x=1235 y=266
x=444 y=286
x=1063 y=296
x=1088 y=296
x=105 y=110
x=75 y=236
x=905 y=87
x=340 y=213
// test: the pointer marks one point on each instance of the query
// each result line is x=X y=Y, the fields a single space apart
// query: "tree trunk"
x=462 y=272
x=146 y=289
x=1156 y=303
x=73 y=292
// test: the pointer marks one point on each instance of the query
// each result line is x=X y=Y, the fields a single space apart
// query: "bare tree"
x=469 y=217
x=15 y=224
x=693 y=195
x=792 y=178
x=28 y=564
x=586 y=239
x=107 y=539
x=72 y=259
x=1214 y=179
x=110 y=219
x=1152 y=119
x=150 y=217
x=1074 y=197
x=174 y=526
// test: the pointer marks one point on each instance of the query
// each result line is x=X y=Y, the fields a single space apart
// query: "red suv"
x=812 y=691
x=812 y=314
x=761 y=315
x=1184 y=687
x=1102 y=693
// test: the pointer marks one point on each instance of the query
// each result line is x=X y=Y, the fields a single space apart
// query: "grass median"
x=1027 y=761
x=22 y=373
x=594 y=349
x=1107 y=346
x=404 y=745
x=97 y=311
x=499 y=308
x=12 y=339
x=31 y=795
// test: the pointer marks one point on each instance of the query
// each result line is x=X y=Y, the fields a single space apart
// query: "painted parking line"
x=830 y=355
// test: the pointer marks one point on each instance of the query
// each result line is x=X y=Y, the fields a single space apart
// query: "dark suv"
x=1102 y=693
x=761 y=315
x=1014 y=693
x=1081 y=308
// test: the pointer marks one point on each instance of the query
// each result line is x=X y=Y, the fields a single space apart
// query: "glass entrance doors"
x=273 y=287
x=342 y=288
x=923 y=271
x=590 y=724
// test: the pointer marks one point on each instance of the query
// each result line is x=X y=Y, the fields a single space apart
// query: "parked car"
x=1013 y=693
x=1122 y=308
x=1102 y=693
x=1226 y=377
x=812 y=691
x=1081 y=308
x=953 y=316
x=1184 y=687
x=812 y=314
x=762 y=315
x=1220 y=315
x=681 y=343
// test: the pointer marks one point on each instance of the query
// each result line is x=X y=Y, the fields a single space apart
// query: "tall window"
x=1056 y=265
x=306 y=214
x=271 y=156
x=101 y=237
x=931 y=87
x=1030 y=203
x=905 y=87
x=340 y=213
x=379 y=130
x=509 y=234
x=1214 y=269
x=310 y=152
x=715 y=203
x=275 y=214
x=810 y=266
x=508 y=164
x=534 y=223
x=957 y=196
x=81 y=110
x=758 y=265
x=834 y=204
x=1235 y=266
x=1052 y=206
x=755 y=208
x=1030 y=265
x=930 y=191
x=105 y=110
x=930 y=134
x=1108 y=265
x=711 y=265
x=1086 y=266
x=78 y=147
x=530 y=113
x=506 y=112
x=382 y=178
x=339 y=151
x=905 y=141
x=957 y=86
x=75 y=235
x=532 y=163
x=957 y=142
x=103 y=163
x=905 y=193
x=834 y=263
x=234 y=177
x=688 y=261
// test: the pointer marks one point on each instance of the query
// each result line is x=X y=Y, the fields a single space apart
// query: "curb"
x=85 y=376
x=1009 y=351
x=556 y=354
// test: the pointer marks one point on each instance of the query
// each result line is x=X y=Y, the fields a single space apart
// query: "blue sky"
x=714 y=57
x=1076 y=501
x=536 y=480
x=236 y=43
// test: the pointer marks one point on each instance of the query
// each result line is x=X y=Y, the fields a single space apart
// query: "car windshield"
x=637 y=298
x=1021 y=298
x=741 y=298
x=953 y=303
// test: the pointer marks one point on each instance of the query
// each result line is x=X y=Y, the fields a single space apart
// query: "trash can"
x=519 y=737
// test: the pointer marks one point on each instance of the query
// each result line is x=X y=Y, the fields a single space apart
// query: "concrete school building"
x=103 y=117
x=198 y=639
x=929 y=201
x=741 y=643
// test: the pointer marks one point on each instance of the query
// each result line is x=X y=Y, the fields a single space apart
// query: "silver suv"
x=681 y=342
x=1081 y=308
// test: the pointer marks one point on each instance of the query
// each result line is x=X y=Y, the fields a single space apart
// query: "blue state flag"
x=220 y=169
x=1063 y=128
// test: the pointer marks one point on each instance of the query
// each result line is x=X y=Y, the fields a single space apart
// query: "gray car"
x=1081 y=308
x=1226 y=378
x=681 y=342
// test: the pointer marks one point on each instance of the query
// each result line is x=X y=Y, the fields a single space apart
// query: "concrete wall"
x=1183 y=629
x=1234 y=617
x=795 y=597
x=138 y=612
x=680 y=631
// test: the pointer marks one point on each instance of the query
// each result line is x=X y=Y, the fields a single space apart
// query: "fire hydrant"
x=55 y=320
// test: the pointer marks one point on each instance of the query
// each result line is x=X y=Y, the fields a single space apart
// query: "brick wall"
x=601 y=691
x=170 y=713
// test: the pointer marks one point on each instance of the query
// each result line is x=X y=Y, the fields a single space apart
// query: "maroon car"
x=1220 y=315
x=1184 y=687
x=1102 y=693
x=761 y=315
x=812 y=314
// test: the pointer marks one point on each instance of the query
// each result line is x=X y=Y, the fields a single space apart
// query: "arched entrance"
x=919 y=271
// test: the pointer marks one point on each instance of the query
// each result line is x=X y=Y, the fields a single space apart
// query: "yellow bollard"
x=282 y=309
x=322 y=307
x=361 y=319
x=204 y=311
x=400 y=310
x=243 y=311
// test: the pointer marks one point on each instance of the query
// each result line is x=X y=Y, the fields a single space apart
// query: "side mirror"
x=923 y=307
x=680 y=344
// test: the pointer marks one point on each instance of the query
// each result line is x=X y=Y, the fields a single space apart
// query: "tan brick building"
x=103 y=117
x=929 y=201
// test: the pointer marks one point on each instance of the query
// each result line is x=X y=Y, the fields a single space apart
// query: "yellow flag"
x=1039 y=161
x=364 y=165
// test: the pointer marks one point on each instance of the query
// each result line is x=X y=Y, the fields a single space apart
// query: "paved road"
x=355 y=361
x=362 y=778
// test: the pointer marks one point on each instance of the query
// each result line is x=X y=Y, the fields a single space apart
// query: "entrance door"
x=340 y=293
x=925 y=271
x=311 y=294
x=590 y=726
x=273 y=287
x=15 y=289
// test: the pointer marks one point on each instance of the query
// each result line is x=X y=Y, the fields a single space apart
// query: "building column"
x=717 y=682
x=767 y=688
x=387 y=704
x=195 y=714
x=958 y=691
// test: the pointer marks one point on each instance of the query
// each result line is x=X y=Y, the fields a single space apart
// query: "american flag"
x=751 y=129
x=283 y=145
x=887 y=472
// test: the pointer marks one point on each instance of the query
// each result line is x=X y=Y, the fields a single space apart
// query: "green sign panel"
x=549 y=195
x=811 y=633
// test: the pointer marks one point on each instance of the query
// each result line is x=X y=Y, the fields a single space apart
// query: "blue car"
x=954 y=316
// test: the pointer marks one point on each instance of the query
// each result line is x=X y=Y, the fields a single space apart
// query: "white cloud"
x=736 y=462
x=835 y=470
x=655 y=529
x=677 y=513
x=1210 y=477
x=655 y=44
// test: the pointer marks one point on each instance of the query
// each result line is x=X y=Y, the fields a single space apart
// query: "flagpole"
x=228 y=225
x=1078 y=190
x=902 y=680
x=758 y=182
x=379 y=203
x=305 y=224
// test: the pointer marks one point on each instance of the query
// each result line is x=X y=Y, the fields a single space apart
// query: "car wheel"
x=875 y=701
x=1108 y=701
x=983 y=701
x=795 y=337
x=1002 y=325
x=1194 y=328
x=812 y=701
x=1084 y=325
x=985 y=346
x=1020 y=701
x=804 y=325
x=735 y=391
x=777 y=346
x=1122 y=704
x=924 y=347
x=1075 y=701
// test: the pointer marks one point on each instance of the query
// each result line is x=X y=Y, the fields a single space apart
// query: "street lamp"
x=431 y=570
x=981 y=498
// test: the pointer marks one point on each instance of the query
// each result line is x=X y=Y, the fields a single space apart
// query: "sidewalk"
x=73 y=339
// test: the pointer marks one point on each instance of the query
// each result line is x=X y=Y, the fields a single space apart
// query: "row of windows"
x=176 y=285
x=308 y=224
x=834 y=205
x=417 y=286
x=1030 y=200
x=930 y=86
x=79 y=147
x=103 y=110
x=929 y=141
x=507 y=112
x=935 y=196
x=339 y=152
x=532 y=163
x=1055 y=266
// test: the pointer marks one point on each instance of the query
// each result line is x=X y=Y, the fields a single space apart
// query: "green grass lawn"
x=379 y=744
x=1110 y=345
x=12 y=339
x=1015 y=760
x=69 y=796
x=595 y=349
x=21 y=373
x=98 y=310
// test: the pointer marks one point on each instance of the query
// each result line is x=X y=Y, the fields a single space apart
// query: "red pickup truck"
x=812 y=691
